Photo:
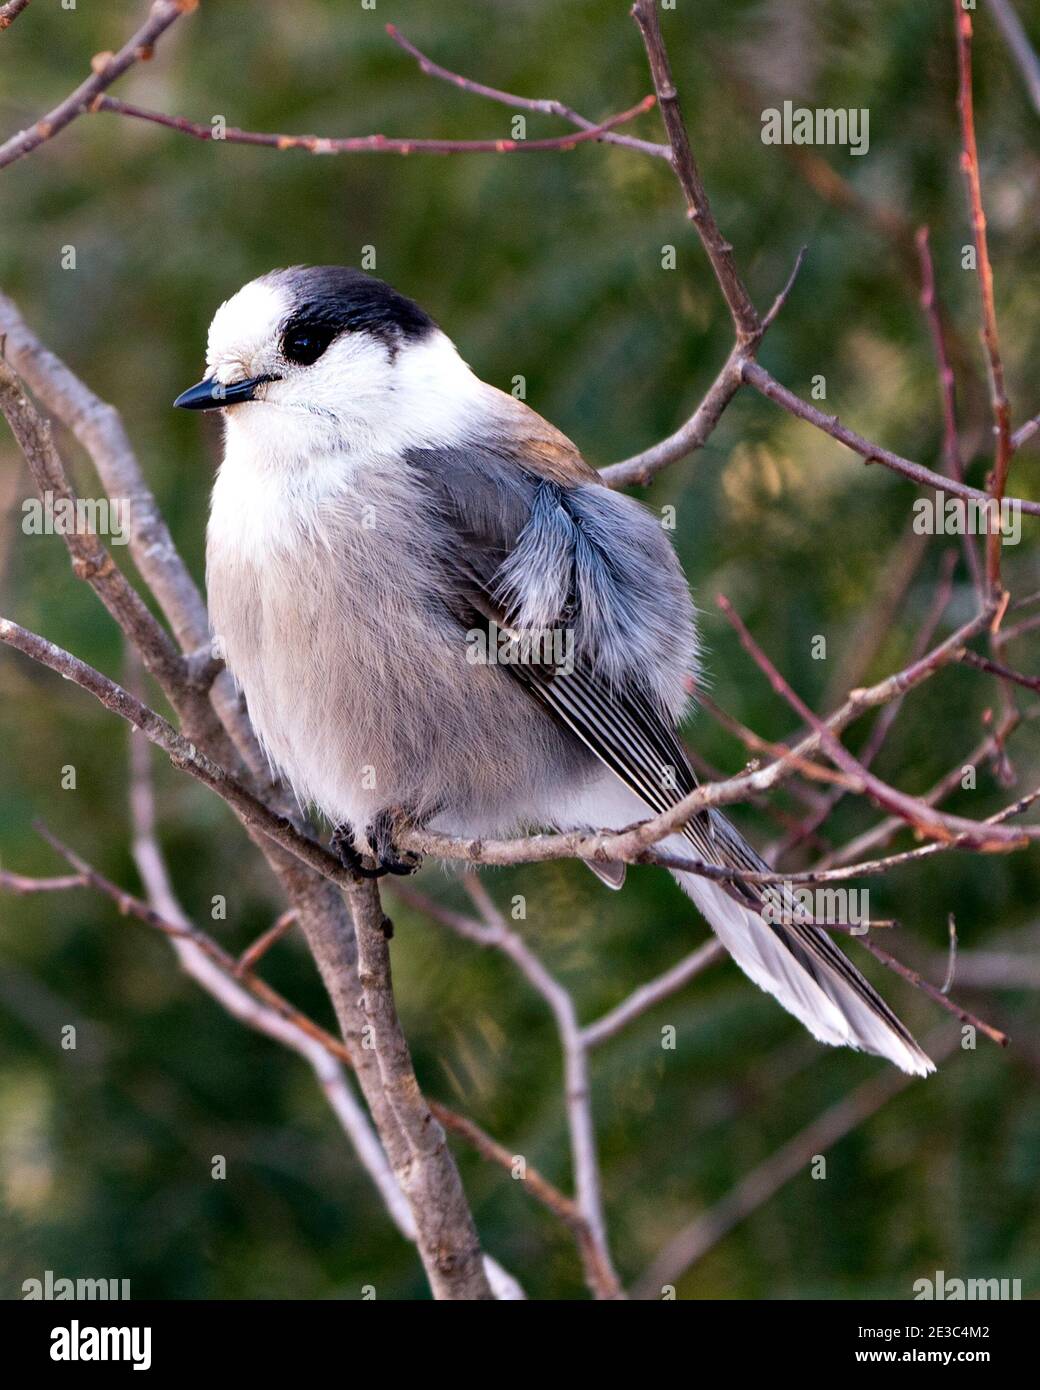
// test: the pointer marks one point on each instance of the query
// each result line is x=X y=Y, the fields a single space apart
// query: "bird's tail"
x=792 y=959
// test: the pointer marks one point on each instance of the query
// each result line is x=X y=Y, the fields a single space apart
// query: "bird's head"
x=321 y=359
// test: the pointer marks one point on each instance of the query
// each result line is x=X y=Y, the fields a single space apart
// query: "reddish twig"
x=990 y=339
x=251 y=957
x=107 y=67
x=934 y=993
x=10 y=12
x=997 y=668
x=368 y=144
x=767 y=384
x=547 y=105
x=947 y=389
x=915 y=812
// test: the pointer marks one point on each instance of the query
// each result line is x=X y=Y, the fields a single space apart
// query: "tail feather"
x=799 y=965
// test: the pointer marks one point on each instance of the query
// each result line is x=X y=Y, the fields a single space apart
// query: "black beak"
x=213 y=395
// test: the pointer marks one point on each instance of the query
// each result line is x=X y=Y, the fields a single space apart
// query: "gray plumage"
x=378 y=505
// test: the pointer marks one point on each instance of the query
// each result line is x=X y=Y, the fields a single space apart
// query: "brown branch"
x=947 y=390
x=990 y=339
x=577 y=1086
x=98 y=427
x=886 y=829
x=448 y=1240
x=694 y=434
x=547 y=105
x=182 y=753
x=772 y=389
x=720 y=253
x=369 y=144
x=640 y=468
x=252 y=955
x=890 y=712
x=91 y=560
x=937 y=995
x=10 y=12
x=492 y=933
x=107 y=67
x=913 y=810
x=178 y=928
x=996 y=668
x=173 y=925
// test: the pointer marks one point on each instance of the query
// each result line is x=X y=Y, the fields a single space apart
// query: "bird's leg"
x=381 y=837
x=342 y=846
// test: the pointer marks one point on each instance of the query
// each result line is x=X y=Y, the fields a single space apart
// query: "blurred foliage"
x=547 y=266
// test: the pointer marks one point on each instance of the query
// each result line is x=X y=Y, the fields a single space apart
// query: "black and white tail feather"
x=567 y=556
x=794 y=960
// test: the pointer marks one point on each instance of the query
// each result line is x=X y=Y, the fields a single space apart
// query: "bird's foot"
x=342 y=846
x=390 y=859
x=380 y=835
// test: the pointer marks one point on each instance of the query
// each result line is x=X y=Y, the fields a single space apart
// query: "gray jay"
x=377 y=509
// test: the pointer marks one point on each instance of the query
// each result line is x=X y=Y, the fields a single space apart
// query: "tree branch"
x=107 y=68
x=369 y=144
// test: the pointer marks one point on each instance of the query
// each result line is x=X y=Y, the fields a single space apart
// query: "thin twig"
x=369 y=144
x=917 y=473
x=107 y=67
x=720 y=253
x=547 y=105
x=10 y=11
x=252 y=955
x=990 y=338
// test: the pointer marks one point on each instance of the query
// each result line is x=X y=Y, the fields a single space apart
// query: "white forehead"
x=246 y=323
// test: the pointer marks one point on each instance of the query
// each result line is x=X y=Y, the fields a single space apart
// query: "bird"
x=440 y=616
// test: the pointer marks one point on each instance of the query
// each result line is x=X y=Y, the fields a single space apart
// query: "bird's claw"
x=380 y=834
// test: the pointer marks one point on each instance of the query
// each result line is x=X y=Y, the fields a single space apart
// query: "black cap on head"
x=341 y=299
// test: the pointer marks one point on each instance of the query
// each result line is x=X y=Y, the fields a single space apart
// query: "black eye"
x=305 y=345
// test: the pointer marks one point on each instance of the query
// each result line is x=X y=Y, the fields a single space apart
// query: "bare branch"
x=720 y=252
x=548 y=105
x=767 y=384
x=107 y=67
x=448 y=1240
x=370 y=144
x=990 y=339
x=179 y=750
x=577 y=1096
x=913 y=810
x=997 y=668
x=652 y=993
x=694 y=434
x=90 y=558
x=10 y=12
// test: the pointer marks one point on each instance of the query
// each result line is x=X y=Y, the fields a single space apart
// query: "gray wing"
x=527 y=552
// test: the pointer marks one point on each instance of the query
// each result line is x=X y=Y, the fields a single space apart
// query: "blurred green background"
x=547 y=266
